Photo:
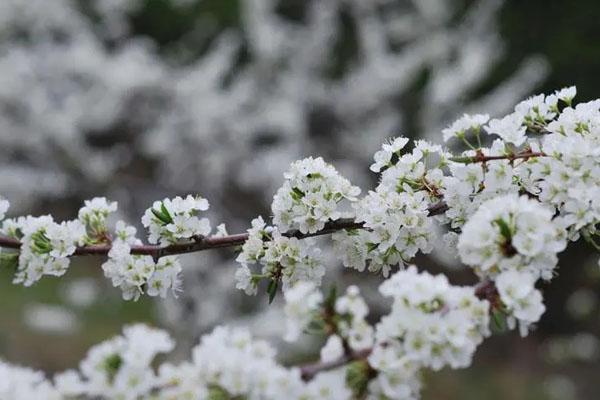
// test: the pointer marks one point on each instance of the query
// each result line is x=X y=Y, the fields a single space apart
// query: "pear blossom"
x=4 y=204
x=139 y=274
x=512 y=233
x=464 y=125
x=94 y=216
x=510 y=128
x=46 y=246
x=173 y=220
x=523 y=302
x=20 y=383
x=310 y=196
x=333 y=349
x=383 y=157
x=302 y=301
x=432 y=323
x=282 y=258
x=398 y=227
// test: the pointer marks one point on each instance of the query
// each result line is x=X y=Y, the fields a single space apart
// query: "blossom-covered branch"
x=506 y=220
x=212 y=242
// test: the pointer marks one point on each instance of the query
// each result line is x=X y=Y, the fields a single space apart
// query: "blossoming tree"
x=524 y=186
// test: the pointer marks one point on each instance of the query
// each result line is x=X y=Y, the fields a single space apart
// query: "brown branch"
x=481 y=158
x=309 y=371
x=213 y=242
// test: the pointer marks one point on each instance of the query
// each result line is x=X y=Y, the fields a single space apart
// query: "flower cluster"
x=173 y=220
x=119 y=367
x=302 y=303
x=469 y=185
x=431 y=324
x=521 y=301
x=568 y=178
x=397 y=227
x=283 y=259
x=466 y=124
x=342 y=319
x=46 y=245
x=353 y=327
x=229 y=363
x=21 y=383
x=514 y=241
x=94 y=215
x=511 y=233
x=138 y=274
x=310 y=196
x=384 y=158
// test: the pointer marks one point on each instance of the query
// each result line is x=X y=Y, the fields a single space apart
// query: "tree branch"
x=213 y=242
x=481 y=158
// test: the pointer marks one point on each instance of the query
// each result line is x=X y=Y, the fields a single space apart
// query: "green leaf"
x=372 y=246
x=297 y=194
x=165 y=212
x=504 y=228
x=161 y=217
x=499 y=319
x=272 y=290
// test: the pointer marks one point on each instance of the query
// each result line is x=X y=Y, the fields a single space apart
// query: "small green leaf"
x=499 y=321
x=272 y=290
x=297 y=194
x=165 y=212
x=161 y=217
x=372 y=246
x=504 y=228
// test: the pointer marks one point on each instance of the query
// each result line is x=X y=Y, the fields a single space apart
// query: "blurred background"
x=138 y=100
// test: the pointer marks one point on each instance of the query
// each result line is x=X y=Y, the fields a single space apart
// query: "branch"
x=481 y=158
x=213 y=242
x=309 y=371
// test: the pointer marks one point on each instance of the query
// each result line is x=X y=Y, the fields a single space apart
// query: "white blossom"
x=281 y=258
x=333 y=349
x=511 y=233
x=4 y=204
x=302 y=302
x=310 y=195
x=137 y=274
x=177 y=219
x=522 y=300
x=510 y=128
x=20 y=383
x=383 y=157
x=432 y=323
x=467 y=123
